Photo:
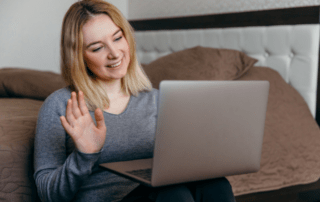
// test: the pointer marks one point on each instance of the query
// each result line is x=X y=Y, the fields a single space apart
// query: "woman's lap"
x=213 y=190
x=209 y=190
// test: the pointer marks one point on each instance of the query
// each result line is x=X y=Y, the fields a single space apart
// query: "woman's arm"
x=58 y=176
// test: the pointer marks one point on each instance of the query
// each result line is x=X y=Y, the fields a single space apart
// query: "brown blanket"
x=291 y=146
x=17 y=128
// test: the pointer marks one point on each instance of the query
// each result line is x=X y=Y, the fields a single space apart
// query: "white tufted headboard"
x=292 y=50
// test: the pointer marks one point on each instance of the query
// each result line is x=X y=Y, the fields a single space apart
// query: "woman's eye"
x=95 y=50
x=117 y=39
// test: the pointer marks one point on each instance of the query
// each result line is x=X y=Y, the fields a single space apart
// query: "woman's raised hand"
x=78 y=123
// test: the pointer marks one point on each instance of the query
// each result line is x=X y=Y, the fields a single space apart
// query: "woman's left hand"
x=78 y=123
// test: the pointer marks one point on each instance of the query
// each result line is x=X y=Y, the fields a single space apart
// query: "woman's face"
x=106 y=50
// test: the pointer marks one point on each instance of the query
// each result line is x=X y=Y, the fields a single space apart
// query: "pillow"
x=27 y=83
x=18 y=118
x=199 y=63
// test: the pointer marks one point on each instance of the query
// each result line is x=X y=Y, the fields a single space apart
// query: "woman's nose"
x=113 y=53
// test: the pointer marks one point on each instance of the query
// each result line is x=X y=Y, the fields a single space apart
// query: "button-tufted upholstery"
x=290 y=50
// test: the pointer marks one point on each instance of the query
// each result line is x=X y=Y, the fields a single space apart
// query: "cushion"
x=18 y=119
x=34 y=84
x=199 y=63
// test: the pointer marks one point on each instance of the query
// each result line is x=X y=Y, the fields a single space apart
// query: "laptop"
x=205 y=130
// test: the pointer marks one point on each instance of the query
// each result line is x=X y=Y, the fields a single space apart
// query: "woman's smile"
x=114 y=66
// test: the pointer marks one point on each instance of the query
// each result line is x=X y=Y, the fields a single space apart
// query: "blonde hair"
x=73 y=67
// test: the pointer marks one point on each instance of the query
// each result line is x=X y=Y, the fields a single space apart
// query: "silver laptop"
x=205 y=129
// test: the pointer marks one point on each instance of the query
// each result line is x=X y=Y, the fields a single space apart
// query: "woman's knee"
x=175 y=194
x=215 y=190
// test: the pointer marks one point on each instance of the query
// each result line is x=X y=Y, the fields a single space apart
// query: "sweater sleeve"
x=58 y=176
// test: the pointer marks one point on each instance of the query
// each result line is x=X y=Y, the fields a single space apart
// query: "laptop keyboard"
x=143 y=173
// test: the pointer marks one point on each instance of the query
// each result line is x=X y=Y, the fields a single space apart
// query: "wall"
x=30 y=32
x=122 y=5
x=141 y=9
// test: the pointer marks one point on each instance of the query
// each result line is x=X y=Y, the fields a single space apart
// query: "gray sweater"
x=64 y=174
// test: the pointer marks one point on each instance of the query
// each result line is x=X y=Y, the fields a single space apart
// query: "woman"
x=107 y=113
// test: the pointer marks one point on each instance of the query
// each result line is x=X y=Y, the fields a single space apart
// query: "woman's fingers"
x=75 y=108
x=65 y=124
x=99 y=119
x=82 y=104
x=68 y=128
x=69 y=114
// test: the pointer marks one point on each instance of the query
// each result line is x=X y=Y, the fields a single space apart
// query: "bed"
x=290 y=161
x=22 y=92
x=285 y=45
